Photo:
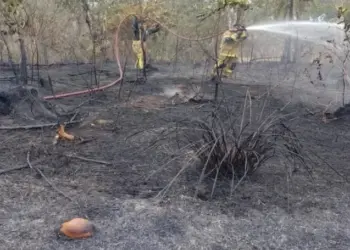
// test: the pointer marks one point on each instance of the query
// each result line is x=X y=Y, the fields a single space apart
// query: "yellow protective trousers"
x=137 y=48
x=226 y=64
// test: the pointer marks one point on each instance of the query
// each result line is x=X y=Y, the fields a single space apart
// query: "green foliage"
x=13 y=16
x=10 y=6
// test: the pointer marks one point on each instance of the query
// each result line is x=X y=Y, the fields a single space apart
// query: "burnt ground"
x=267 y=211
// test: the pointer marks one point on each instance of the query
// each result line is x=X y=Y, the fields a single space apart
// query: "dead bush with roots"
x=233 y=145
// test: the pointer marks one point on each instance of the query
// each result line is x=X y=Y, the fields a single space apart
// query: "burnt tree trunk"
x=2 y=51
x=93 y=35
x=240 y=15
x=23 y=66
x=231 y=17
x=25 y=102
x=287 y=55
x=45 y=54
x=10 y=57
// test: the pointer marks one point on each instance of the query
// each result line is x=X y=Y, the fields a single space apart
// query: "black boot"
x=140 y=80
x=149 y=67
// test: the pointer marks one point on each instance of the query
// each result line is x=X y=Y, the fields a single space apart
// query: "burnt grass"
x=267 y=211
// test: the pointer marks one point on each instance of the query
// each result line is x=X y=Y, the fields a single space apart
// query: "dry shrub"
x=234 y=144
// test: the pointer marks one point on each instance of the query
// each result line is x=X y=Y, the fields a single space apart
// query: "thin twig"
x=74 y=116
x=206 y=165
x=4 y=171
x=162 y=193
x=45 y=178
x=37 y=126
x=89 y=159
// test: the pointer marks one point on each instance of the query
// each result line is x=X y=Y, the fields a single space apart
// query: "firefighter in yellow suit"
x=344 y=13
x=140 y=48
x=227 y=58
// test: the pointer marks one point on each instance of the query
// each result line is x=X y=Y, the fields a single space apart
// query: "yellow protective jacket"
x=344 y=13
x=230 y=43
x=341 y=11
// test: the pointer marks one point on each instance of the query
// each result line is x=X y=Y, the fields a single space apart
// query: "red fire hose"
x=117 y=58
x=87 y=91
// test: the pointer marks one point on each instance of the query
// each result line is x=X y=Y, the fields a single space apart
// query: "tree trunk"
x=24 y=100
x=288 y=43
x=23 y=66
x=240 y=15
x=1 y=51
x=296 y=44
x=10 y=57
x=93 y=35
x=45 y=54
x=235 y=15
x=231 y=16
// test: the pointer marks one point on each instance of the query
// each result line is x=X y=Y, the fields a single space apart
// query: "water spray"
x=315 y=32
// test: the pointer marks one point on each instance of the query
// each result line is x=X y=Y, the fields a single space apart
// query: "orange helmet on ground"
x=77 y=228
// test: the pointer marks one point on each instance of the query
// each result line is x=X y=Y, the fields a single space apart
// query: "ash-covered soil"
x=140 y=158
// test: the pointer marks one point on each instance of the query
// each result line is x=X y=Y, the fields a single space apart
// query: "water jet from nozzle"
x=316 y=32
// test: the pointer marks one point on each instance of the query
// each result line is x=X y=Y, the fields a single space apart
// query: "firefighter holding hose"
x=140 y=35
x=227 y=58
x=344 y=13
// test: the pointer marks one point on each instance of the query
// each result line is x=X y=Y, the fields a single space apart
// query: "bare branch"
x=45 y=178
